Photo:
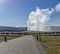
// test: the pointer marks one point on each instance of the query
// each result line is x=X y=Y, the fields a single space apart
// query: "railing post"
x=5 y=38
x=37 y=37
x=40 y=37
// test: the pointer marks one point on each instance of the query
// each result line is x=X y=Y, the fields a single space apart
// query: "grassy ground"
x=51 y=44
x=8 y=38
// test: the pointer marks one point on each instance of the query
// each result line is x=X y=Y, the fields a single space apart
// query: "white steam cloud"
x=57 y=8
x=39 y=19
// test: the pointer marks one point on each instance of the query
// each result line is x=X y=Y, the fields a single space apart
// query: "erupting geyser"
x=38 y=20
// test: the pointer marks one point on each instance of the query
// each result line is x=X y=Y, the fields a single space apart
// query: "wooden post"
x=40 y=38
x=37 y=37
x=5 y=38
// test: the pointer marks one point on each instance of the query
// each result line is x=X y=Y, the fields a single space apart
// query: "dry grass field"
x=51 y=44
x=8 y=38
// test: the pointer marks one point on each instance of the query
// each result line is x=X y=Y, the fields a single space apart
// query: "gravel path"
x=22 y=45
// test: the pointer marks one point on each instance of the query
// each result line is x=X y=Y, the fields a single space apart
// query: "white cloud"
x=57 y=8
x=38 y=19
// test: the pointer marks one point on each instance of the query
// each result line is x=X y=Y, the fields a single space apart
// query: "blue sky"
x=16 y=12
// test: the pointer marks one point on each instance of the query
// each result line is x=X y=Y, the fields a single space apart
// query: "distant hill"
x=7 y=28
x=55 y=28
x=13 y=28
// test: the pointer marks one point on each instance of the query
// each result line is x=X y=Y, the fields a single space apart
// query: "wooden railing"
x=31 y=33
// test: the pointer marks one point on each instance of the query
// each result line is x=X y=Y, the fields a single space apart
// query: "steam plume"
x=38 y=20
